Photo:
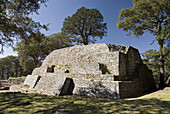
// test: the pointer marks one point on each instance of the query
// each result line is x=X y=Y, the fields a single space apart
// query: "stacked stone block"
x=99 y=70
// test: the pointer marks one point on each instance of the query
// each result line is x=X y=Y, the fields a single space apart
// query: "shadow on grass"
x=34 y=103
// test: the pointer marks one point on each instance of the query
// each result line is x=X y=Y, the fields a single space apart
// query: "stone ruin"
x=99 y=70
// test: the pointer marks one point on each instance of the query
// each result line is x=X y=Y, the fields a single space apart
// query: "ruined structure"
x=100 y=70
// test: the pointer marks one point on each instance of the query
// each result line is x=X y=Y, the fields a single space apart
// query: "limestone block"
x=85 y=68
x=50 y=85
x=100 y=53
x=40 y=71
x=17 y=80
x=134 y=59
x=96 y=88
x=16 y=88
x=31 y=80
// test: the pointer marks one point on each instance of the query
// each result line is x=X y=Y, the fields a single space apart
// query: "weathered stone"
x=100 y=70
x=5 y=84
x=50 y=85
x=85 y=68
x=17 y=80
x=31 y=80
x=96 y=88
x=16 y=88
x=86 y=59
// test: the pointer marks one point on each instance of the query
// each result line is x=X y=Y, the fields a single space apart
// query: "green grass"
x=43 y=104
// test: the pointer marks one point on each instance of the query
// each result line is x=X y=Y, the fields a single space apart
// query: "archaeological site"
x=97 y=70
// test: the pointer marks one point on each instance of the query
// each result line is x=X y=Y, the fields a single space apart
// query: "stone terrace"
x=100 y=70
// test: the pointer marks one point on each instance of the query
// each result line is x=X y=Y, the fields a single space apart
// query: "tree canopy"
x=33 y=50
x=84 y=26
x=15 y=21
x=152 y=60
x=152 y=16
x=145 y=15
x=9 y=67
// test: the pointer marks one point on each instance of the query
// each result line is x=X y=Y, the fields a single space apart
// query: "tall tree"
x=15 y=22
x=36 y=47
x=84 y=26
x=152 y=16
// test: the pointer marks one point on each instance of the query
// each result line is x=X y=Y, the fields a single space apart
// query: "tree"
x=33 y=50
x=151 y=59
x=152 y=16
x=58 y=41
x=15 y=22
x=9 y=67
x=84 y=26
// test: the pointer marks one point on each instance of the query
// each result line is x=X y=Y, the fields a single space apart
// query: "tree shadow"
x=35 y=103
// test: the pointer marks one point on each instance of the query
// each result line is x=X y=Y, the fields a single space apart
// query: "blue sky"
x=57 y=10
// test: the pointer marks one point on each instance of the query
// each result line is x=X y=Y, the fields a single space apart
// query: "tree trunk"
x=21 y=71
x=2 y=74
x=86 y=40
x=85 y=43
x=162 y=69
x=16 y=73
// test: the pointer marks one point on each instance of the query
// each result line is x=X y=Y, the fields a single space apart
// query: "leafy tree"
x=151 y=59
x=15 y=22
x=9 y=67
x=31 y=51
x=36 y=47
x=152 y=16
x=84 y=26
x=57 y=41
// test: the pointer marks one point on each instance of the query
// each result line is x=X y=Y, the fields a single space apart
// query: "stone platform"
x=99 y=70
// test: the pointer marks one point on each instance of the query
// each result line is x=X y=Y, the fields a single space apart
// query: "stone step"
x=5 y=84
x=50 y=84
x=4 y=88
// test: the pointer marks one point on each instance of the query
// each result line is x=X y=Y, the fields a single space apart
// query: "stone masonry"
x=99 y=70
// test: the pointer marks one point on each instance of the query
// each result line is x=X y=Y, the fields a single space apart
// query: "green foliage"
x=15 y=21
x=84 y=26
x=152 y=16
x=57 y=41
x=145 y=15
x=152 y=60
x=9 y=67
x=33 y=50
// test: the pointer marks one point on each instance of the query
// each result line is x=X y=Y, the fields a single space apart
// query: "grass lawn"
x=158 y=102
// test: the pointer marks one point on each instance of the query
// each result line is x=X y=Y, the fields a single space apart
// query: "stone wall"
x=5 y=84
x=17 y=80
x=85 y=68
x=86 y=60
x=100 y=70
x=96 y=88
x=138 y=86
